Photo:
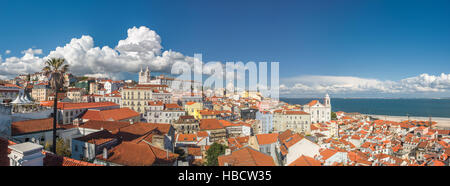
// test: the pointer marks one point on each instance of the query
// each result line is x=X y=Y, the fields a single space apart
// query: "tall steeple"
x=144 y=77
x=327 y=100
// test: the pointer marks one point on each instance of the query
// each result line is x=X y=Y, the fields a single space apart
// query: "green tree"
x=63 y=147
x=333 y=116
x=55 y=69
x=213 y=153
x=47 y=146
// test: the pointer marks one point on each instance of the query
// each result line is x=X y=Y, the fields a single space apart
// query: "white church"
x=144 y=77
x=320 y=112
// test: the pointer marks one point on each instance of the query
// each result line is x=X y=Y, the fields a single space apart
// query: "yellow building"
x=41 y=92
x=206 y=114
x=192 y=108
x=75 y=94
x=137 y=98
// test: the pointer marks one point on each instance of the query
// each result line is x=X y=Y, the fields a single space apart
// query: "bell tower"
x=327 y=101
x=144 y=77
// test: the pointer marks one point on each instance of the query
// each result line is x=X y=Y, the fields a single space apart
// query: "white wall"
x=303 y=147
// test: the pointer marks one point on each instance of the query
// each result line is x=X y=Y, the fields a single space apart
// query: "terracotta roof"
x=138 y=154
x=305 y=161
x=138 y=130
x=155 y=103
x=51 y=159
x=284 y=135
x=202 y=134
x=186 y=137
x=207 y=112
x=264 y=139
x=191 y=103
x=30 y=126
x=246 y=157
x=327 y=153
x=292 y=140
x=436 y=163
x=210 y=124
x=110 y=115
x=237 y=142
x=186 y=117
x=172 y=106
x=107 y=125
x=74 y=89
x=11 y=85
x=194 y=151
x=69 y=106
x=225 y=123
x=98 y=138
x=296 y=113
x=313 y=102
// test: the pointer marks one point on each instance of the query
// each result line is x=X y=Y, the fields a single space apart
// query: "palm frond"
x=65 y=68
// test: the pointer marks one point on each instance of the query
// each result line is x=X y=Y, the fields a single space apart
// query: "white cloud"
x=8 y=52
x=32 y=51
x=28 y=63
x=141 y=48
x=316 y=85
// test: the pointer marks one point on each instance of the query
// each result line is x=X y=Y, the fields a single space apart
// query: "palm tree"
x=55 y=70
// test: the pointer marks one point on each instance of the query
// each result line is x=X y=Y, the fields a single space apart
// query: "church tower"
x=144 y=77
x=327 y=101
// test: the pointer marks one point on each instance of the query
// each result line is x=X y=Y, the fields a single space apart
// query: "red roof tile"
x=30 y=126
x=70 y=106
x=51 y=159
x=210 y=124
x=246 y=157
x=97 y=138
x=305 y=161
x=264 y=139
x=107 y=125
x=110 y=115
x=138 y=154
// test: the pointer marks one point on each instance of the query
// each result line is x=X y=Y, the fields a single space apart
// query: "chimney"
x=227 y=152
x=105 y=153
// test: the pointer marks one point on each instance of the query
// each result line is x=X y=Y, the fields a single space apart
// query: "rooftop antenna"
x=408 y=117
x=430 y=122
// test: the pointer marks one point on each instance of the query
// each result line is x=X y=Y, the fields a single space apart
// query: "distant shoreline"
x=445 y=98
x=441 y=121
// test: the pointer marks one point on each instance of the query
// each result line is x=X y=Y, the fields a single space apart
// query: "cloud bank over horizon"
x=142 y=47
x=342 y=86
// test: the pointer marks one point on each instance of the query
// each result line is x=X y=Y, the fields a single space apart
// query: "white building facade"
x=320 y=113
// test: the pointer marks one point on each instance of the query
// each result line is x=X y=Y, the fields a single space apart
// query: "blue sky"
x=368 y=39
